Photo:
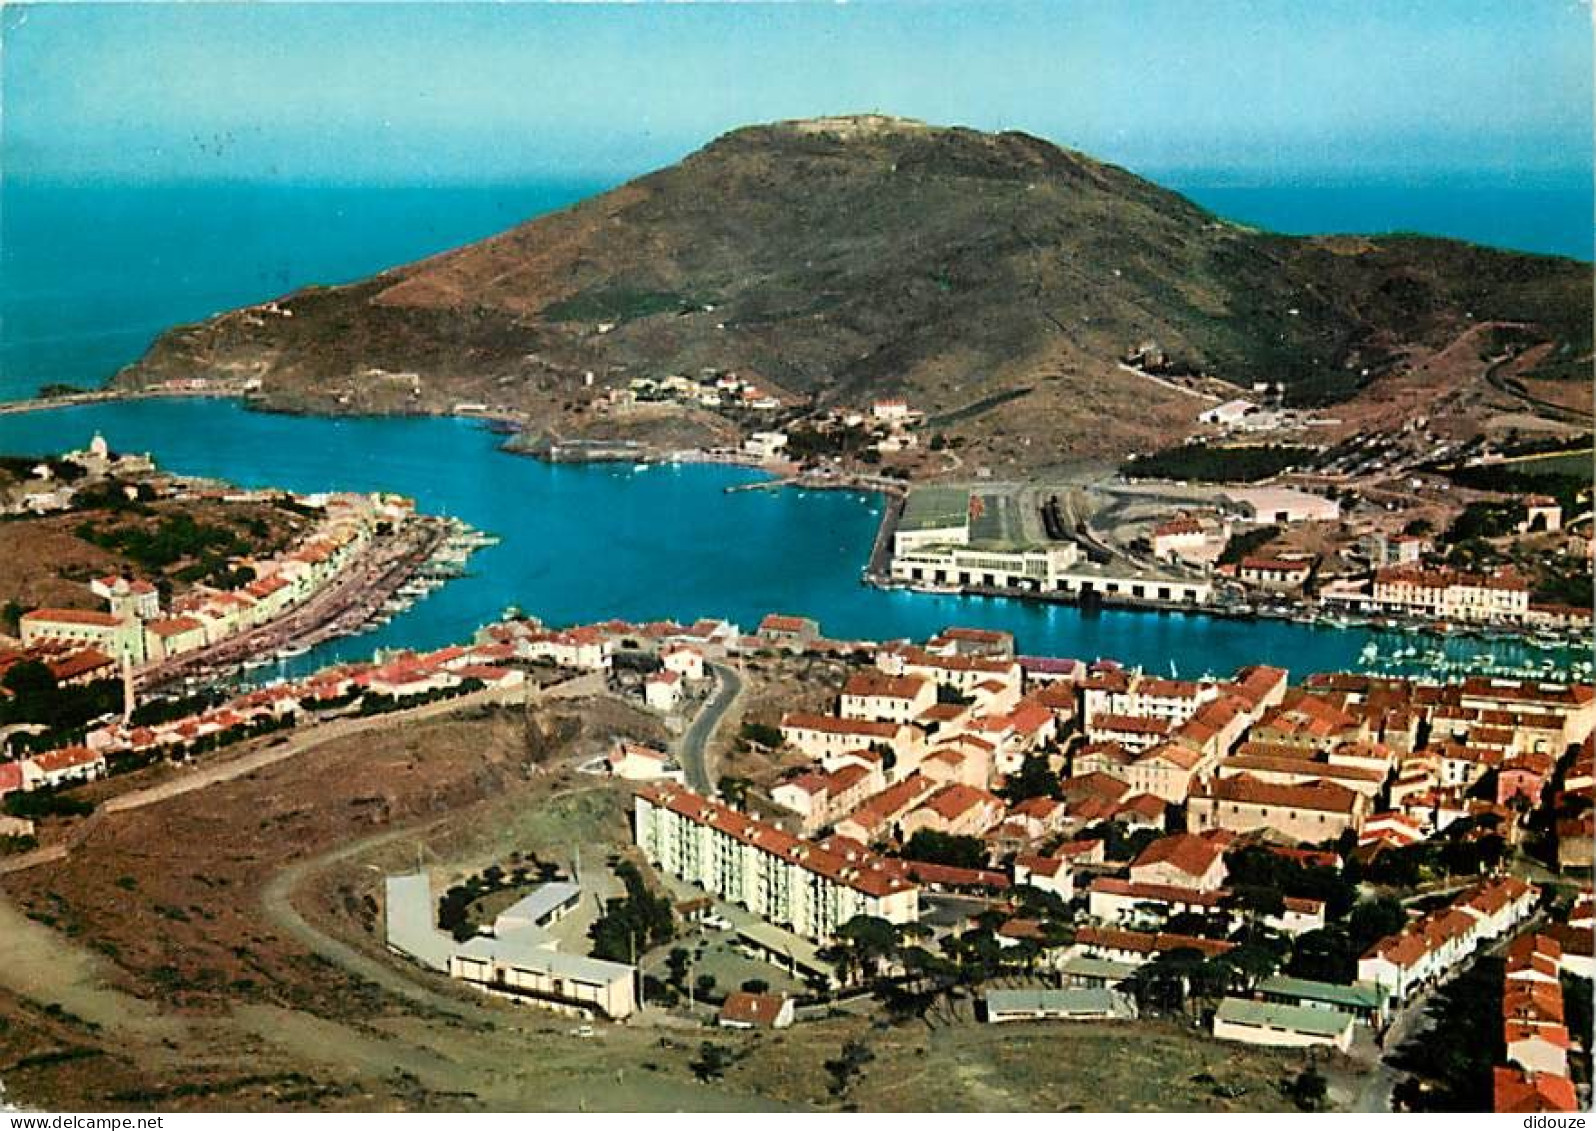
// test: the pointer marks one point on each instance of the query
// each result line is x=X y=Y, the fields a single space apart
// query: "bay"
x=587 y=543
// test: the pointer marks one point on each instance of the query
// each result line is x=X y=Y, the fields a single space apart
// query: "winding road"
x=693 y=750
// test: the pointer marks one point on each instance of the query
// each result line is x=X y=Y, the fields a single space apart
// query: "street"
x=692 y=751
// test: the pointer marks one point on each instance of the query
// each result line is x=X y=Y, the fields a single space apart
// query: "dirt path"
x=216 y=773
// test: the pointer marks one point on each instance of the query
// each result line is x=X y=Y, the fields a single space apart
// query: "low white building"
x=766 y=446
x=1281 y=1026
x=683 y=659
x=1231 y=412
x=662 y=690
x=1284 y=505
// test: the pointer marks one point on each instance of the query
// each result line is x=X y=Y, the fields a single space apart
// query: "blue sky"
x=426 y=93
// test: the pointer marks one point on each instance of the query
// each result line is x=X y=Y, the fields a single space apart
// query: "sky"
x=426 y=93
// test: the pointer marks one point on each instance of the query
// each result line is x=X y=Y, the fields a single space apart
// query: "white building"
x=786 y=881
x=662 y=690
x=886 y=698
x=1282 y=1026
x=766 y=446
x=1268 y=505
x=1231 y=412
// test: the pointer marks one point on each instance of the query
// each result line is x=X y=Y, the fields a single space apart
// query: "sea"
x=90 y=273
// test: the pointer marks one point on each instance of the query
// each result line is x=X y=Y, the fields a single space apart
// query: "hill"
x=993 y=279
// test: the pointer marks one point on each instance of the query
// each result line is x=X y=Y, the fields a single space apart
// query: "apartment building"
x=784 y=880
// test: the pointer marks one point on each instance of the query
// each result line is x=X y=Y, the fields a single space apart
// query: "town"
x=216 y=604
x=1313 y=864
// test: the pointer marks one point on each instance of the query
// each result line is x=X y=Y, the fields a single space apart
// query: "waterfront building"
x=1049 y=873
x=1517 y=1092
x=955 y=641
x=1133 y=732
x=524 y=965
x=1181 y=860
x=1284 y=574
x=1283 y=505
x=1126 y=902
x=685 y=660
x=959 y=673
x=1451 y=595
x=794 y=633
x=957 y=810
x=1069 y=1003
x=1178 y=537
x=1291 y=767
x=932 y=516
x=118 y=636
x=877 y=818
x=786 y=881
x=820 y=797
x=68 y=765
x=128 y=596
x=745 y=1010
x=1034 y=569
x=643 y=763
x=173 y=636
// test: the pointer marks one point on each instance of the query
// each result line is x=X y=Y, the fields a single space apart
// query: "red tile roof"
x=758 y=1010
x=1191 y=854
x=72 y=616
x=1520 y=1092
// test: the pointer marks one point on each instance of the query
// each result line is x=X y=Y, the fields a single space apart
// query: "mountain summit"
x=843 y=258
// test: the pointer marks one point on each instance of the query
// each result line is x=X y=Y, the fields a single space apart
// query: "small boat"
x=292 y=651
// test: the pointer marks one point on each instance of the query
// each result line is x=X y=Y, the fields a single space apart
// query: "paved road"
x=693 y=750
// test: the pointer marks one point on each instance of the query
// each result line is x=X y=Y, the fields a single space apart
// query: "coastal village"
x=1291 y=861
x=1337 y=867
x=872 y=559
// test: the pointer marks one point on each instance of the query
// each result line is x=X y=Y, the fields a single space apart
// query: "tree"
x=676 y=963
x=861 y=946
x=629 y=926
x=1035 y=779
x=29 y=679
x=1163 y=983
x=762 y=734
x=1373 y=919
x=1257 y=901
x=1310 y=1089
x=1325 y=955
x=734 y=791
x=847 y=1066
x=935 y=847
x=711 y=1062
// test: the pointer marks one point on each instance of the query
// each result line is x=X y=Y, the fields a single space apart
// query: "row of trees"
x=1206 y=464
